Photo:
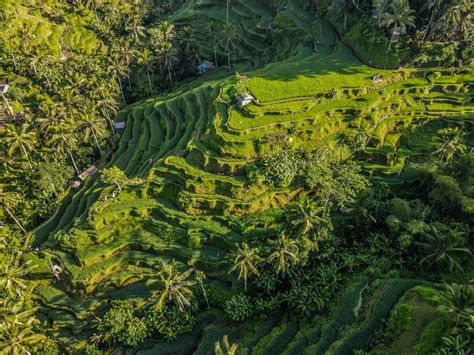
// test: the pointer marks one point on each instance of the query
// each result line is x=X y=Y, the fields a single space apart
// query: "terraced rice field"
x=190 y=148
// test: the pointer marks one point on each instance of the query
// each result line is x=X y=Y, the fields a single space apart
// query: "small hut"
x=243 y=100
x=4 y=84
x=91 y=170
x=204 y=67
x=119 y=126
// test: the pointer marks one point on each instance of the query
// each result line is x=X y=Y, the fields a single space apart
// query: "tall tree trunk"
x=16 y=221
x=169 y=73
x=149 y=79
x=121 y=90
x=107 y=117
x=345 y=21
x=215 y=53
x=27 y=157
x=228 y=58
x=96 y=142
x=73 y=162
x=6 y=103
x=227 y=16
x=205 y=294
x=429 y=25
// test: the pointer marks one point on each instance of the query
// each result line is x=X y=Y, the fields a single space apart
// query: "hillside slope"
x=186 y=152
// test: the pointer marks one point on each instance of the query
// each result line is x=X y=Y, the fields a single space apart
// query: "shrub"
x=433 y=76
x=169 y=322
x=120 y=324
x=239 y=307
x=277 y=170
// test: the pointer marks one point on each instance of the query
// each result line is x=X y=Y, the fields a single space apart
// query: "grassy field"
x=189 y=148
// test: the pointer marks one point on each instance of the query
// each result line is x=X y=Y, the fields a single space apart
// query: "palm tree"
x=457 y=18
x=246 y=261
x=104 y=102
x=400 y=16
x=176 y=285
x=309 y=218
x=200 y=276
x=167 y=31
x=223 y=347
x=7 y=103
x=63 y=139
x=459 y=300
x=20 y=138
x=146 y=60
x=449 y=143
x=118 y=70
x=135 y=28
x=11 y=276
x=229 y=36
x=17 y=334
x=433 y=7
x=442 y=247
x=284 y=253
x=169 y=57
x=213 y=31
x=91 y=125
x=379 y=8
x=8 y=200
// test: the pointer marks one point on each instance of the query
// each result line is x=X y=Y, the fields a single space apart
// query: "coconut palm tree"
x=213 y=32
x=91 y=125
x=63 y=139
x=459 y=300
x=176 y=285
x=118 y=70
x=449 y=143
x=433 y=7
x=135 y=27
x=457 y=19
x=223 y=347
x=8 y=201
x=146 y=60
x=309 y=218
x=229 y=37
x=12 y=275
x=284 y=253
x=168 y=32
x=246 y=261
x=17 y=334
x=200 y=276
x=169 y=57
x=400 y=15
x=442 y=246
x=379 y=8
x=20 y=138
